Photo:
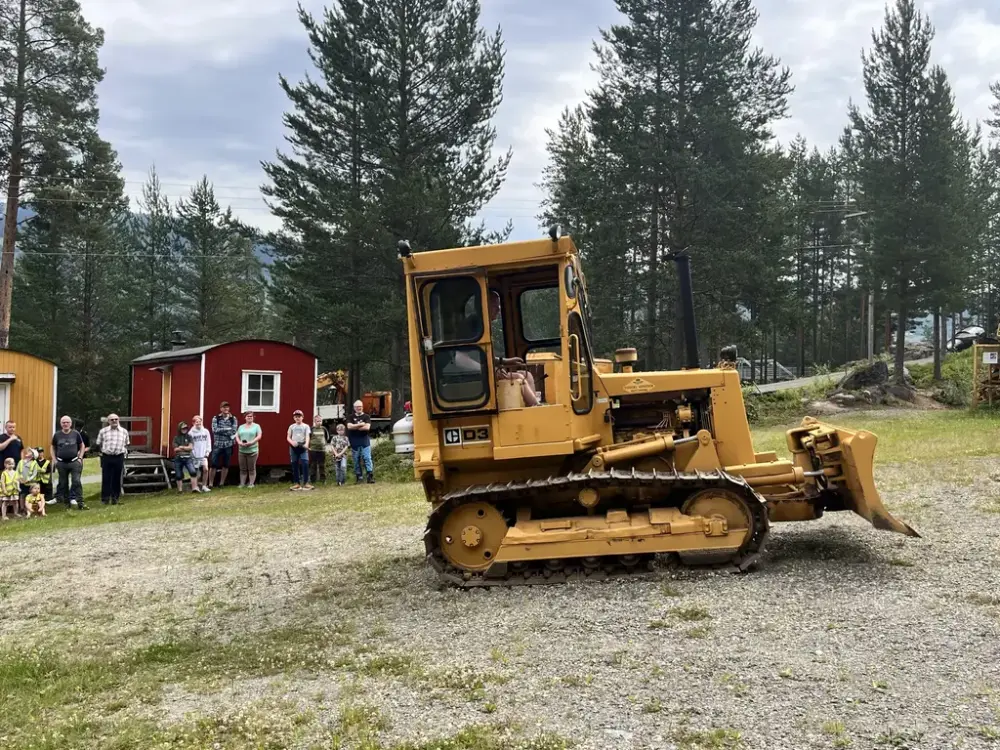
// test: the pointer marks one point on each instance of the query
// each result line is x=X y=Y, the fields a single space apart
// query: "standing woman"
x=247 y=437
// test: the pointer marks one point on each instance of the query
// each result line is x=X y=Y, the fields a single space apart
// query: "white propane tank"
x=402 y=434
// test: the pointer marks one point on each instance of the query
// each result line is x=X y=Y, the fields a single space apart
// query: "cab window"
x=460 y=369
x=540 y=314
x=456 y=311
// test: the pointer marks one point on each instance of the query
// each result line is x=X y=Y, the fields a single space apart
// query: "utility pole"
x=871 y=298
x=871 y=325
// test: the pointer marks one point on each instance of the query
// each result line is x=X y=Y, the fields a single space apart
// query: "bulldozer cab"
x=506 y=357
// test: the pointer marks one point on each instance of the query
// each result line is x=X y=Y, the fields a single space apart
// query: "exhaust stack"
x=687 y=308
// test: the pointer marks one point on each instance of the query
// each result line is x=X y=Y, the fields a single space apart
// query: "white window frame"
x=245 y=407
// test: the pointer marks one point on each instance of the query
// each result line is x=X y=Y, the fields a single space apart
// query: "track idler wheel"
x=471 y=535
x=724 y=504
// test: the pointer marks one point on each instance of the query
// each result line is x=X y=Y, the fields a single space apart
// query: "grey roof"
x=174 y=354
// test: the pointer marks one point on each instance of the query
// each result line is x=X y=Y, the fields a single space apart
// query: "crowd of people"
x=200 y=454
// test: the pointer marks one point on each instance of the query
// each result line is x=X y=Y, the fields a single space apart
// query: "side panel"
x=30 y=396
x=224 y=368
x=734 y=442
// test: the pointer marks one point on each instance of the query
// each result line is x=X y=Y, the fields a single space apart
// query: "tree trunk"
x=652 y=287
x=13 y=183
x=774 y=349
x=897 y=375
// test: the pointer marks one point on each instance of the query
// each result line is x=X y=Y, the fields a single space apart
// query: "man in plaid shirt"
x=224 y=427
x=113 y=442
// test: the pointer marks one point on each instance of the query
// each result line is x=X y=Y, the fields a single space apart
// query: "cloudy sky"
x=192 y=87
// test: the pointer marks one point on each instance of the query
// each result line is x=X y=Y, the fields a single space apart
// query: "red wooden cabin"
x=270 y=378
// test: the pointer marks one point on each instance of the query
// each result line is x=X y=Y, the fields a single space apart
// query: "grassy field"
x=270 y=619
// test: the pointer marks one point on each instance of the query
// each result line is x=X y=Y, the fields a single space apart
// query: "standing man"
x=224 y=427
x=11 y=445
x=113 y=441
x=67 y=451
x=358 y=425
x=202 y=440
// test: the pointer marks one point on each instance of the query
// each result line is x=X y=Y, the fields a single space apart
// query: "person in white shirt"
x=201 y=440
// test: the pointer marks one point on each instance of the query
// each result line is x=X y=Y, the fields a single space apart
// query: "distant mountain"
x=260 y=249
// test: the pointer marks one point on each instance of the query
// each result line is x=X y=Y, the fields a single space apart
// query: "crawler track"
x=507 y=497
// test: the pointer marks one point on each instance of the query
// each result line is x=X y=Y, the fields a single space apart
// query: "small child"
x=45 y=475
x=35 y=501
x=8 y=489
x=27 y=475
x=340 y=445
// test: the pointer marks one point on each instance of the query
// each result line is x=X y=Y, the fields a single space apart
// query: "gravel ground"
x=842 y=636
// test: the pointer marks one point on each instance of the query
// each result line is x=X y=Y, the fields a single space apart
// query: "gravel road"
x=842 y=637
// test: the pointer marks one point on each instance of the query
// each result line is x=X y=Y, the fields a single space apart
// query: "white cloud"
x=202 y=29
x=549 y=51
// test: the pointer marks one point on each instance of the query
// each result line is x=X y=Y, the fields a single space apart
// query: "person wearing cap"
x=298 y=451
x=113 y=442
x=224 y=426
x=183 y=460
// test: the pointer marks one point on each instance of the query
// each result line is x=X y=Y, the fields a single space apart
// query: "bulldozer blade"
x=861 y=495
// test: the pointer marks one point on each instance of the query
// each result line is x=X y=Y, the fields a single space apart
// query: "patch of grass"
x=359 y=726
x=899 y=562
x=712 y=739
x=984 y=600
x=209 y=555
x=833 y=727
x=384 y=503
x=955 y=386
x=690 y=614
x=898 y=739
x=989 y=733
x=911 y=437
x=702 y=631
x=572 y=680
x=487 y=737
x=670 y=590
x=652 y=707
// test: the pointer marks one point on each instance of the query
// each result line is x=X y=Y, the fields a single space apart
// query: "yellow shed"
x=28 y=396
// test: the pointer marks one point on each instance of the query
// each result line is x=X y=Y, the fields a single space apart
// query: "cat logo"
x=638 y=386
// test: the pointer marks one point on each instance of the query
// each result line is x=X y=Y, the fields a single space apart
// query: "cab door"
x=456 y=349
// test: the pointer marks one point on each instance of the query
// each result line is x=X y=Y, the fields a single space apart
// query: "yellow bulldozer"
x=544 y=463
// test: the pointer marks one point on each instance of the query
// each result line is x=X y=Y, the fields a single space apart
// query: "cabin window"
x=456 y=311
x=261 y=391
x=540 y=314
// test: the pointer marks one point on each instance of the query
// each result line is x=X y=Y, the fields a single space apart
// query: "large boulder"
x=865 y=376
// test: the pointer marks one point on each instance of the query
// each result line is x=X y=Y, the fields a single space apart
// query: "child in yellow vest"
x=44 y=475
x=8 y=489
x=35 y=501
x=27 y=475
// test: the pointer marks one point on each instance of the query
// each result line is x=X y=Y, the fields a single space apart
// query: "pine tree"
x=897 y=88
x=48 y=76
x=72 y=298
x=155 y=258
x=394 y=142
x=680 y=123
x=949 y=212
x=220 y=279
